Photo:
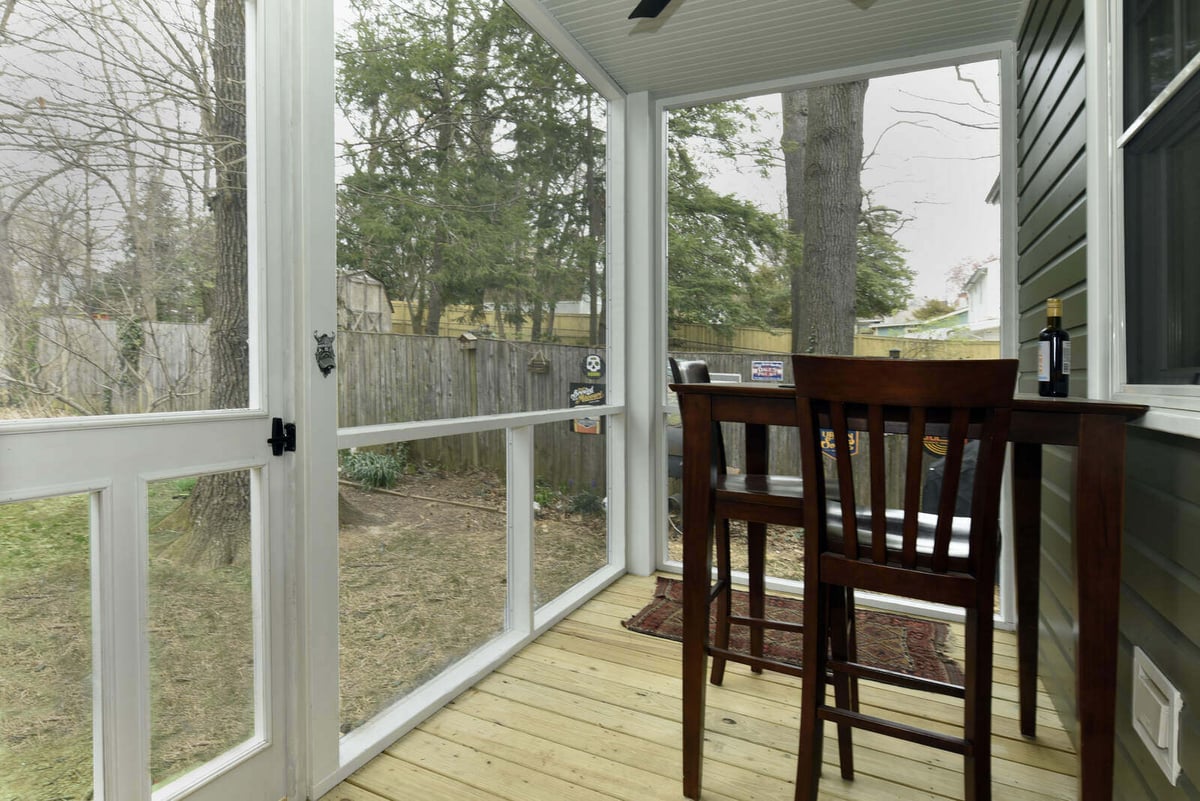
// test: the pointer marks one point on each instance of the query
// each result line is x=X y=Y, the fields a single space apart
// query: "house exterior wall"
x=1052 y=262
x=1160 y=591
x=1160 y=594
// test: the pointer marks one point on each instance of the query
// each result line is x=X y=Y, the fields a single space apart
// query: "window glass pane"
x=570 y=540
x=423 y=563
x=123 y=190
x=46 y=657
x=471 y=215
x=201 y=601
x=1191 y=42
x=1153 y=48
x=1161 y=205
x=1183 y=344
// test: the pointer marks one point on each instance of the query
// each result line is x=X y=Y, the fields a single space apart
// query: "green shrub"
x=373 y=469
x=544 y=494
x=587 y=503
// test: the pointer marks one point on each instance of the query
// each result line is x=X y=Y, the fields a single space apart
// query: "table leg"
x=757 y=462
x=698 y=476
x=1099 y=518
x=1027 y=546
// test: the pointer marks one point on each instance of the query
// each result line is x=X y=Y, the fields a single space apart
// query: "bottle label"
x=1066 y=357
x=1043 y=370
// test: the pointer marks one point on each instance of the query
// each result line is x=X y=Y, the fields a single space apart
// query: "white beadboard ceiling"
x=698 y=46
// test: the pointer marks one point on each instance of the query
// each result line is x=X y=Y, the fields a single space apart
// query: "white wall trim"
x=313 y=595
x=644 y=273
x=386 y=433
x=519 y=490
x=616 y=311
x=1104 y=339
x=1009 y=125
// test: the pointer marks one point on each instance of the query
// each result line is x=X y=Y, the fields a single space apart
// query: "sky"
x=931 y=169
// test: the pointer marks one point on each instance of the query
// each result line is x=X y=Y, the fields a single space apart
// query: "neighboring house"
x=895 y=326
x=940 y=327
x=983 y=290
x=978 y=318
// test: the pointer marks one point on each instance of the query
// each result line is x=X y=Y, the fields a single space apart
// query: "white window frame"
x=1174 y=408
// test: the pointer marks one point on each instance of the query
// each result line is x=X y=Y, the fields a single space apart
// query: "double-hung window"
x=1160 y=146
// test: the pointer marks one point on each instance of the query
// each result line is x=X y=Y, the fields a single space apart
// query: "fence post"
x=468 y=342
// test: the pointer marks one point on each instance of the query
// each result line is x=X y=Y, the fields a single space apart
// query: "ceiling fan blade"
x=864 y=4
x=649 y=8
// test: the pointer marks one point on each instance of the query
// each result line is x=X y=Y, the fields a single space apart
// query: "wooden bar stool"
x=759 y=499
x=936 y=557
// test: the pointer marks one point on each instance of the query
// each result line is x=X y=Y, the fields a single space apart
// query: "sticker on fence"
x=593 y=366
x=587 y=395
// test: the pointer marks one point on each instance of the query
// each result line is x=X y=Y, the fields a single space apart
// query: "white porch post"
x=645 y=328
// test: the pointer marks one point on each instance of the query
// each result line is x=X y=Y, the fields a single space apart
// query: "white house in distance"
x=983 y=302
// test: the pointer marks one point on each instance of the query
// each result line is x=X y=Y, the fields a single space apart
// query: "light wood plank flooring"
x=590 y=712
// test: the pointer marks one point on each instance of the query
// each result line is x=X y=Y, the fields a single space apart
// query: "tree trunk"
x=433 y=311
x=595 y=201
x=535 y=321
x=220 y=503
x=793 y=141
x=18 y=323
x=444 y=157
x=824 y=316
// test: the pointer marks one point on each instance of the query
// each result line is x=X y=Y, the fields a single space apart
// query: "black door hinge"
x=283 y=436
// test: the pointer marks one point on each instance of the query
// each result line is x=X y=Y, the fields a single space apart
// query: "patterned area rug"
x=886 y=640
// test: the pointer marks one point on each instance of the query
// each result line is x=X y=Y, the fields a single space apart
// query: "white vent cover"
x=1156 y=708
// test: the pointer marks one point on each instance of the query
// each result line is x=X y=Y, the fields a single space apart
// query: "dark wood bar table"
x=1095 y=428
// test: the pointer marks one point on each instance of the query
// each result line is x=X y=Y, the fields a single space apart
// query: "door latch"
x=283 y=436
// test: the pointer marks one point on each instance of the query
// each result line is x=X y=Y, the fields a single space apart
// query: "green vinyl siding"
x=1160 y=600
x=1052 y=262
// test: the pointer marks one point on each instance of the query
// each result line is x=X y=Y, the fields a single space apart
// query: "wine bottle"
x=1054 y=353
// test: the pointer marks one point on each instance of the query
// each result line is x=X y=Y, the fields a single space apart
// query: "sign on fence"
x=587 y=395
x=766 y=370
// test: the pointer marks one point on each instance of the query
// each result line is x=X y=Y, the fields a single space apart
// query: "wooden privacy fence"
x=385 y=378
x=390 y=378
x=747 y=341
x=101 y=366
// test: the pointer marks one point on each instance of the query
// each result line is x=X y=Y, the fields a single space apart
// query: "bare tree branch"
x=978 y=89
x=989 y=126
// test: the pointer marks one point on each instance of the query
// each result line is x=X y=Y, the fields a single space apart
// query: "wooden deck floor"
x=590 y=712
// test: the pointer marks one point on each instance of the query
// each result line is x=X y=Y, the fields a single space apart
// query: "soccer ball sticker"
x=593 y=366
